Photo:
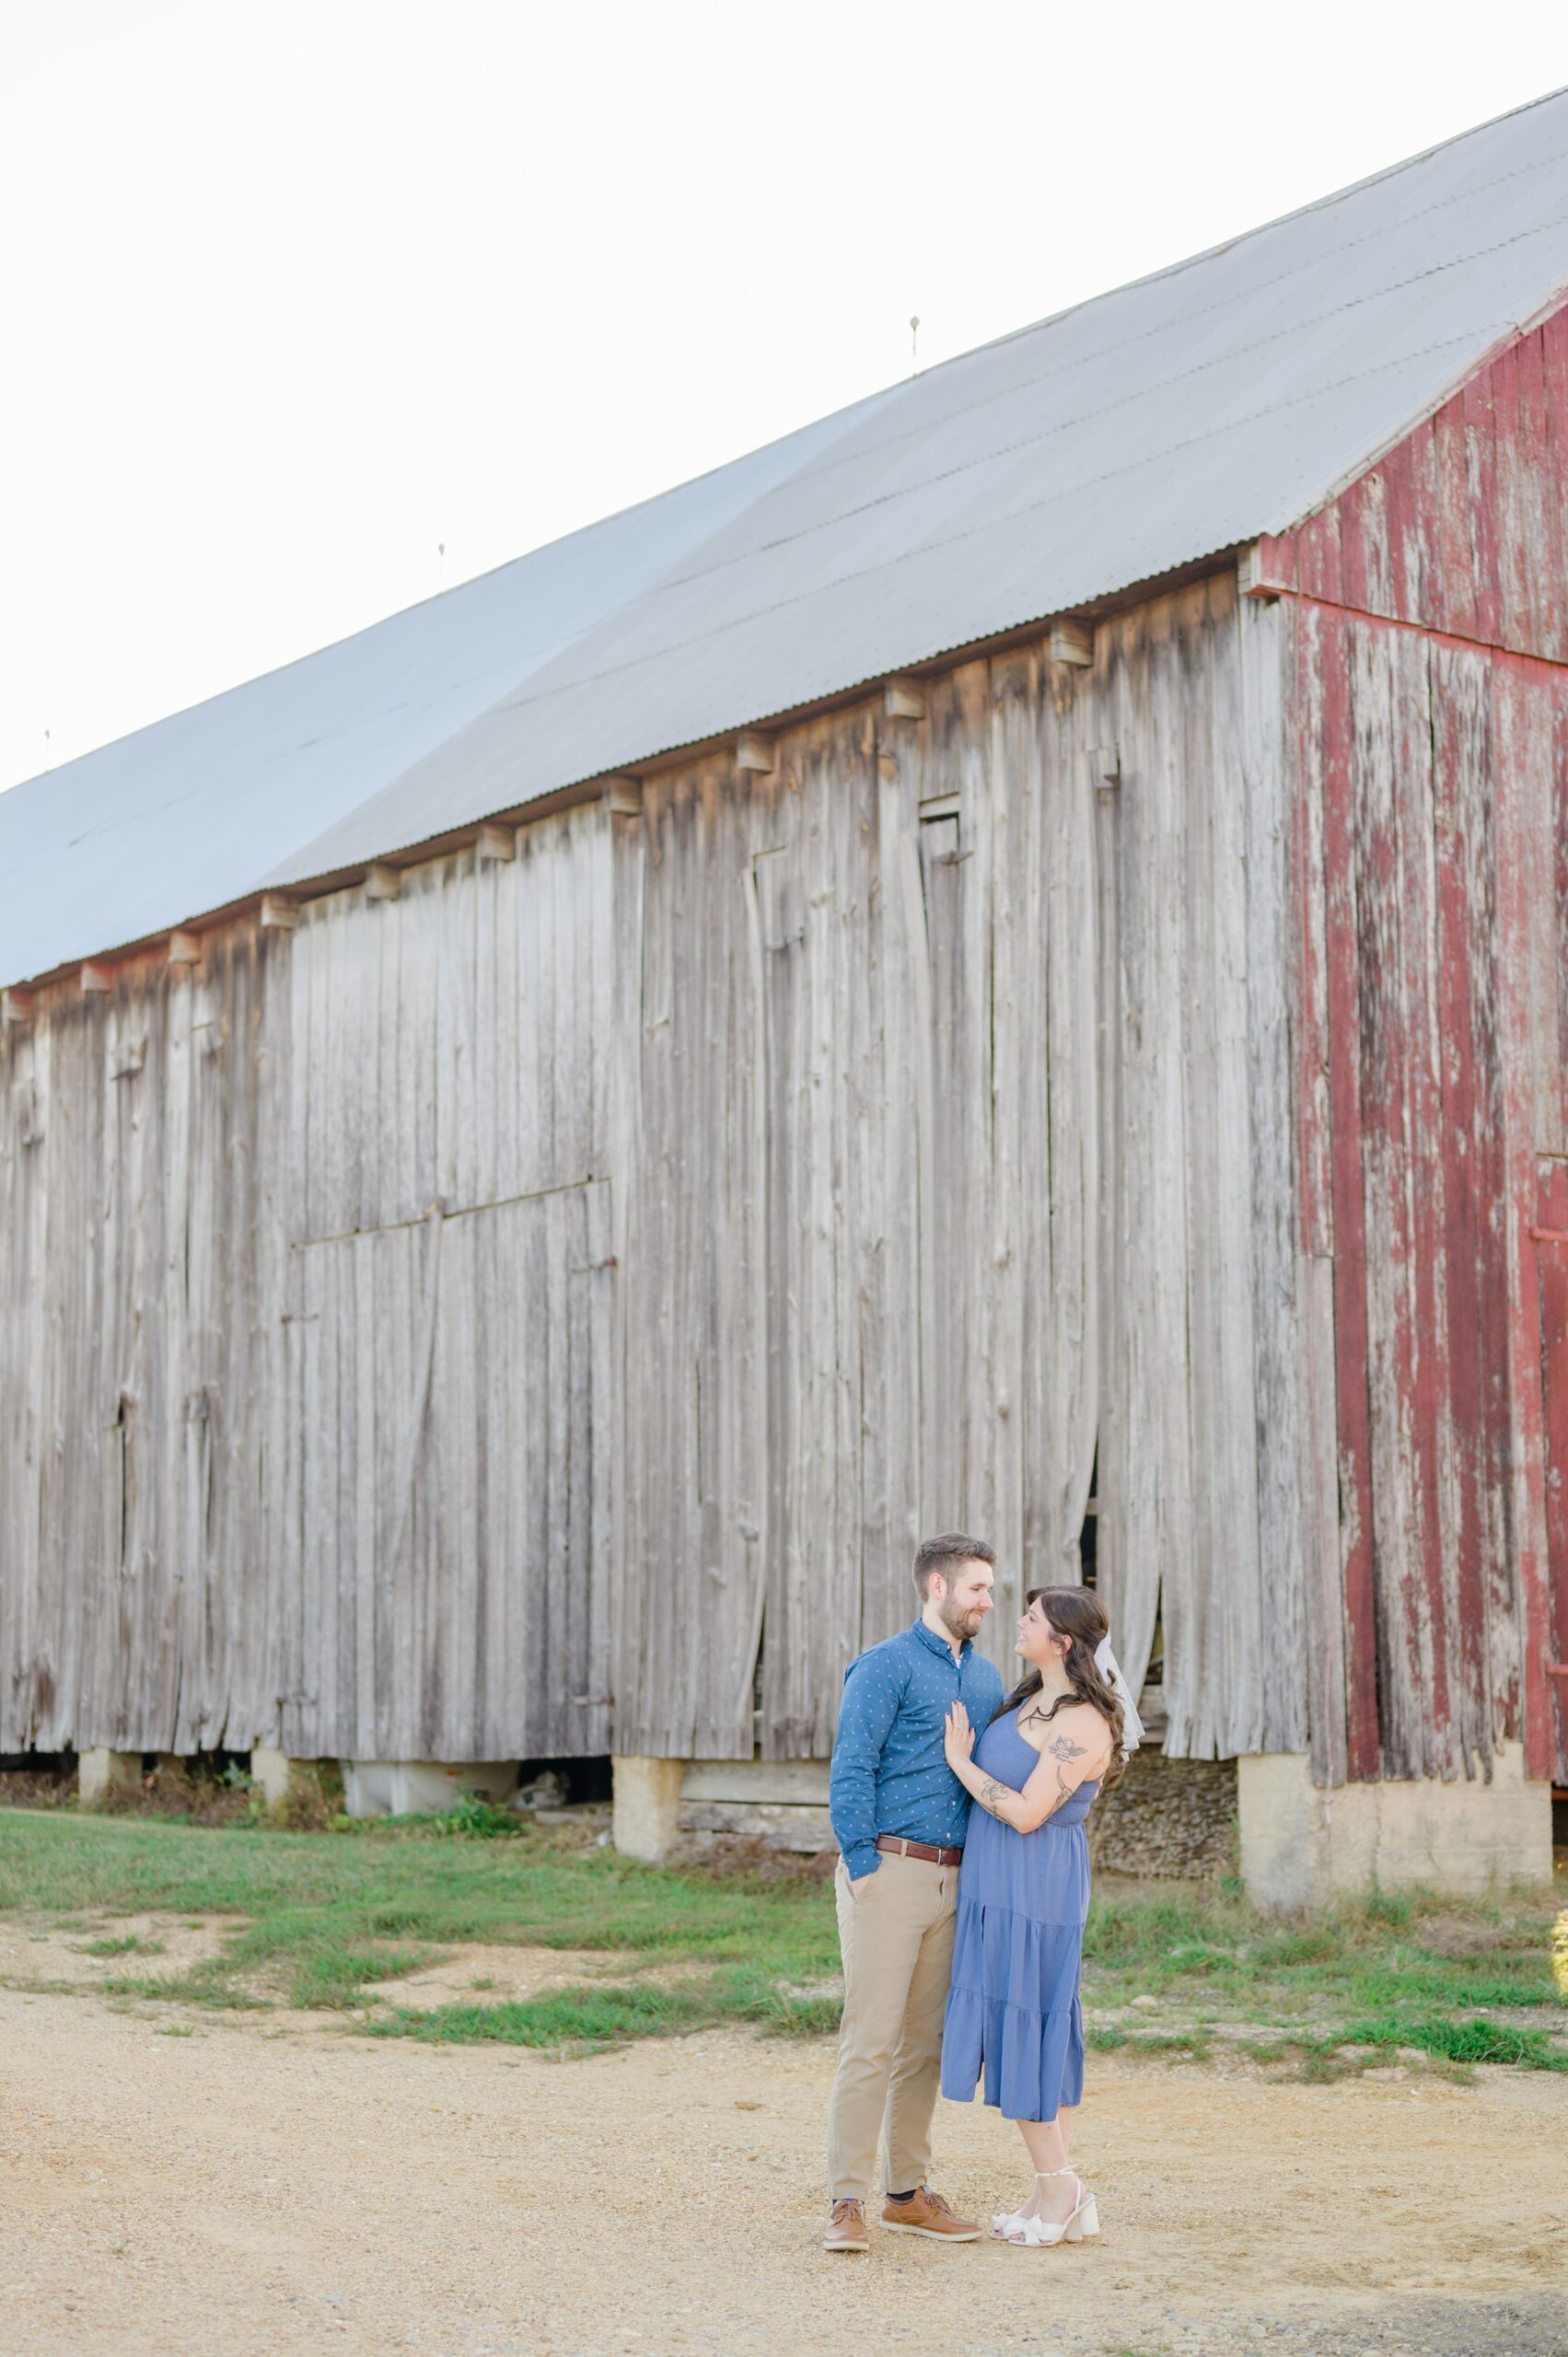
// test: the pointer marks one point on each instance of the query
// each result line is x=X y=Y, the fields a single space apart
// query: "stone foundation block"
x=1302 y=1845
x=1166 y=1817
x=101 y=1775
x=648 y=1806
x=278 y=1778
x=782 y=1803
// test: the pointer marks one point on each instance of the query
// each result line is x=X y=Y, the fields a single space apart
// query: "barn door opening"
x=1088 y=1537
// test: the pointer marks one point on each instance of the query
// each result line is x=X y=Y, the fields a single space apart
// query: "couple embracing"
x=961 y=1936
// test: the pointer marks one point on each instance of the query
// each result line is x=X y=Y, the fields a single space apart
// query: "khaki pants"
x=897 y=1940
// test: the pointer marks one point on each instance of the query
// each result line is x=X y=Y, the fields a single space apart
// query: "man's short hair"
x=944 y=1555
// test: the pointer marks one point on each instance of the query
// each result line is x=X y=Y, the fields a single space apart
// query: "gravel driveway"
x=173 y=2184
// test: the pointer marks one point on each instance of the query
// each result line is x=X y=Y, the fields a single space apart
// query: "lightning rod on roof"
x=914 y=345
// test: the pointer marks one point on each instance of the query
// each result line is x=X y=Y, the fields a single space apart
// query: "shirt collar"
x=939 y=1644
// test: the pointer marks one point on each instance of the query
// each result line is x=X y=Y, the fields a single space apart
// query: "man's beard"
x=962 y=1619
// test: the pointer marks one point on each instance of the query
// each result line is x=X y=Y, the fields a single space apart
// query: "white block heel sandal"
x=1040 y=2234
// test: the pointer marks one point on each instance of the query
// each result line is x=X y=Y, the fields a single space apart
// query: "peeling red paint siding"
x=1552 y=1266
x=1431 y=739
x=1350 y=1347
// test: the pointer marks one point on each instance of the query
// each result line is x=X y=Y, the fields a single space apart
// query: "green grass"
x=325 y=1914
x=572 y=2019
x=316 y=1917
x=1447 y=2040
x=1382 y=1956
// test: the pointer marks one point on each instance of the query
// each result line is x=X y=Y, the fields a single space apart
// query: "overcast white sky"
x=294 y=293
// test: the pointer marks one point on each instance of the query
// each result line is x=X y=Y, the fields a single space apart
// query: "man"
x=898 y=1813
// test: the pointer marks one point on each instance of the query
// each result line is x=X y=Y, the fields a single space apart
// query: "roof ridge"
x=683 y=573
x=1260 y=229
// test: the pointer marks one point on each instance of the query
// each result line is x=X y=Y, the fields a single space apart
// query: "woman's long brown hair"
x=1077 y=1614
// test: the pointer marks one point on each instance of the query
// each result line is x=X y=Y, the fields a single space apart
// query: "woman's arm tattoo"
x=1064 y=1790
x=994 y=1796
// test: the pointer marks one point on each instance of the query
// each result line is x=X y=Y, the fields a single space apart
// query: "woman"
x=1014 y=2019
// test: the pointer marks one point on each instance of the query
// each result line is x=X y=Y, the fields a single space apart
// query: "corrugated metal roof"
x=1195 y=410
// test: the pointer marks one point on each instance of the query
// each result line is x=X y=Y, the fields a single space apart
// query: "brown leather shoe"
x=926 y=2214
x=846 y=2227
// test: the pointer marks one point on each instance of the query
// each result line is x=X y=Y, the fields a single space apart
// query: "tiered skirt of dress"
x=1015 y=2027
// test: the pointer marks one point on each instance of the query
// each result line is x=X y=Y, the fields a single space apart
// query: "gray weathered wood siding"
x=449 y=1378
x=140 y=1355
x=306 y=1362
x=961 y=1106
x=590 y=1272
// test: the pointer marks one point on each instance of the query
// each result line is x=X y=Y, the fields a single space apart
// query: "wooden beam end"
x=496 y=842
x=1072 y=643
x=1253 y=577
x=381 y=882
x=755 y=754
x=280 y=912
x=184 y=949
x=95 y=979
x=624 y=797
x=903 y=699
x=16 y=1006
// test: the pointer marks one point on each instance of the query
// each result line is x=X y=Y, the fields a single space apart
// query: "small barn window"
x=779 y=909
x=940 y=818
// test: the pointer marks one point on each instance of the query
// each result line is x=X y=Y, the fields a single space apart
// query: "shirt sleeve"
x=872 y=1694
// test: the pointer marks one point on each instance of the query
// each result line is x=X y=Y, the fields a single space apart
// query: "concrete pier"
x=101 y=1773
x=648 y=1806
x=1302 y=1845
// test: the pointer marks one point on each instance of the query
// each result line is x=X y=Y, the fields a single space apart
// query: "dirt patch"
x=93 y=1950
x=1461 y=1935
x=472 y=1974
x=378 y=2197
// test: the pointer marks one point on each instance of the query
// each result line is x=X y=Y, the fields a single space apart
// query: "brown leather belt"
x=927 y=1849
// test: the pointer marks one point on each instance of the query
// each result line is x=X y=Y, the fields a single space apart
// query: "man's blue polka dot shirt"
x=889 y=1774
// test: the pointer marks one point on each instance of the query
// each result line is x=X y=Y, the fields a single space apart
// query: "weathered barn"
x=1003 y=961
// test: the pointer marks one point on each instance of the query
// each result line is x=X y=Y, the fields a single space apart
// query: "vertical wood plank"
x=1278 y=1311
x=1524 y=803
x=1341 y=936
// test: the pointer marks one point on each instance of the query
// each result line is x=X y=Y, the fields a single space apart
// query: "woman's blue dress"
x=1014 y=2020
